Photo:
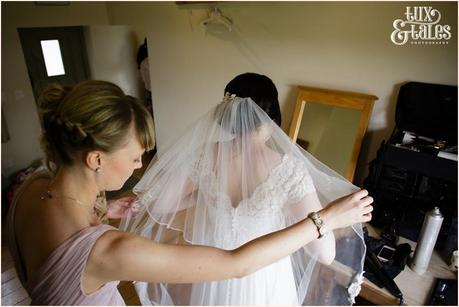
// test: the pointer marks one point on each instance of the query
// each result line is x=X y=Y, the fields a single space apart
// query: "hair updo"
x=260 y=89
x=92 y=115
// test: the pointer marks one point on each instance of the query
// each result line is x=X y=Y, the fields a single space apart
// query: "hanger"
x=216 y=17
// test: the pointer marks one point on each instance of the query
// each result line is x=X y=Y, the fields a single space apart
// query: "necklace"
x=49 y=195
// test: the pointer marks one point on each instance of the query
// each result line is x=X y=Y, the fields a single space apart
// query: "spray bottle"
x=426 y=241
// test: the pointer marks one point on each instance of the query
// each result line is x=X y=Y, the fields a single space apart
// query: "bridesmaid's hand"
x=348 y=210
x=119 y=208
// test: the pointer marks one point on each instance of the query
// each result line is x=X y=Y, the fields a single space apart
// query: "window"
x=53 y=58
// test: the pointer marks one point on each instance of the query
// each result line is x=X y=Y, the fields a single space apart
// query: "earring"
x=98 y=162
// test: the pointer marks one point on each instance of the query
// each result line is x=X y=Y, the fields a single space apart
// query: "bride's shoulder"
x=285 y=163
x=274 y=156
x=298 y=180
x=294 y=162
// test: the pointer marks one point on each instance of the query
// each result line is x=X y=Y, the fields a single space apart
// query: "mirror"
x=330 y=124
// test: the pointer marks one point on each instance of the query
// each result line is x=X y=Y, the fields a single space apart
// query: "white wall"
x=17 y=97
x=335 y=45
x=112 y=54
x=330 y=44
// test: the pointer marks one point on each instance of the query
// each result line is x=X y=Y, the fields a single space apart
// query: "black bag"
x=429 y=110
x=406 y=181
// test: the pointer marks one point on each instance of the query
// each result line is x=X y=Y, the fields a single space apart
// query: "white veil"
x=234 y=176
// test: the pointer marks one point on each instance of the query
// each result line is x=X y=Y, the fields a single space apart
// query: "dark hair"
x=142 y=53
x=260 y=89
x=92 y=115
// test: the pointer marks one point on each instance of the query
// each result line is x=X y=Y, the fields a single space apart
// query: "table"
x=416 y=289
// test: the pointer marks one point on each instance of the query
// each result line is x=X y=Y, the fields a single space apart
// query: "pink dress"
x=58 y=280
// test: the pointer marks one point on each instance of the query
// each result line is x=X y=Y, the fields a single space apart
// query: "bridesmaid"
x=64 y=254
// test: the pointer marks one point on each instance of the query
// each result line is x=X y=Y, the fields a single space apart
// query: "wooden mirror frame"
x=350 y=100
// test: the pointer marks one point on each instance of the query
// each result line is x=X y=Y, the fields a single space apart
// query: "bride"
x=234 y=176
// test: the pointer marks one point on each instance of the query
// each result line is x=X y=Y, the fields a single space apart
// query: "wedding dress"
x=233 y=177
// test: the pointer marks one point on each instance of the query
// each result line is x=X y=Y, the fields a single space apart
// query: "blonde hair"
x=92 y=115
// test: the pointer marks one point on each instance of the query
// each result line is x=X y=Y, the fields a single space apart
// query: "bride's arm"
x=323 y=248
x=119 y=255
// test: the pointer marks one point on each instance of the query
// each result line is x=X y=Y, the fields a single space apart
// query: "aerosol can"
x=426 y=241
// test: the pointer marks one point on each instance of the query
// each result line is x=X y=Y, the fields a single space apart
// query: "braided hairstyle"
x=92 y=115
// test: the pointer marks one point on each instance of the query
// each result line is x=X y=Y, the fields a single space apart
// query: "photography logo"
x=422 y=26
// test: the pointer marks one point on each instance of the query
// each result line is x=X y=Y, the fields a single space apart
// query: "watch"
x=315 y=217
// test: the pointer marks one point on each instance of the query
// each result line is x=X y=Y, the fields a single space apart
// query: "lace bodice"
x=262 y=212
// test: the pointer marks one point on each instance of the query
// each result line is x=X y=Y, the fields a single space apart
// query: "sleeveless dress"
x=58 y=280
